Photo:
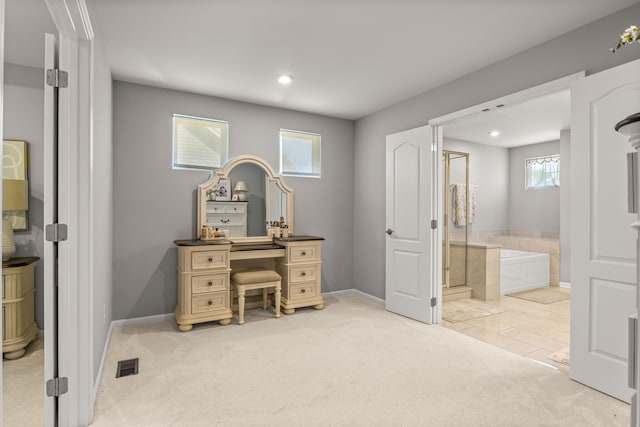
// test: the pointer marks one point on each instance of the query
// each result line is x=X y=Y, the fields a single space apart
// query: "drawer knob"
x=210 y=259
x=302 y=291
x=210 y=302
x=210 y=283
x=303 y=253
x=304 y=273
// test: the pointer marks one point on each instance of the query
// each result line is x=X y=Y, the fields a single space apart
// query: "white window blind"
x=199 y=143
x=299 y=153
x=542 y=172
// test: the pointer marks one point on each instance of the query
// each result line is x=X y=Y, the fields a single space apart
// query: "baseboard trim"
x=141 y=320
x=96 y=386
x=354 y=292
x=565 y=285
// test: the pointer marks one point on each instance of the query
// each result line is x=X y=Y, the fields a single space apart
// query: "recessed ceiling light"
x=285 y=79
x=494 y=133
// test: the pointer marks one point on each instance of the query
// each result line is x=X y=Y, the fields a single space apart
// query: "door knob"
x=389 y=231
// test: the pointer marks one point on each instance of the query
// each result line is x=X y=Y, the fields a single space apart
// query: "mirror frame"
x=223 y=173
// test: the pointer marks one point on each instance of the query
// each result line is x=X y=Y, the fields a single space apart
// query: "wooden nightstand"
x=18 y=308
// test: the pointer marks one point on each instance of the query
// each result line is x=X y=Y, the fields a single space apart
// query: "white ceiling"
x=538 y=120
x=350 y=58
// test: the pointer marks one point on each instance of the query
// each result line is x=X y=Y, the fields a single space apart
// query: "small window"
x=199 y=143
x=542 y=172
x=299 y=153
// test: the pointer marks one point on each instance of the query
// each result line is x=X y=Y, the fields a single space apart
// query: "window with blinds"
x=299 y=153
x=542 y=172
x=199 y=143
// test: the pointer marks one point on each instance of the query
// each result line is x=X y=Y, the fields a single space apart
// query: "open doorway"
x=508 y=278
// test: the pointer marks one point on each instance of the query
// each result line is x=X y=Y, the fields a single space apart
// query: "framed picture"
x=223 y=190
x=15 y=166
x=235 y=197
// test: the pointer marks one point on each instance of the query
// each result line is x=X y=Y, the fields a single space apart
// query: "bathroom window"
x=299 y=153
x=542 y=172
x=199 y=143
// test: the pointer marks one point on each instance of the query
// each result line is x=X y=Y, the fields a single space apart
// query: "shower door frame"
x=446 y=279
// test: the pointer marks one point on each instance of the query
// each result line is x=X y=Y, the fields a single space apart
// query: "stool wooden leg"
x=276 y=296
x=265 y=292
x=241 y=293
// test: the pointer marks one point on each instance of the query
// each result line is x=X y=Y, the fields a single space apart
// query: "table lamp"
x=14 y=198
x=241 y=189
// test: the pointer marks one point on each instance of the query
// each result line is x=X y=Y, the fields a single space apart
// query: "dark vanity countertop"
x=19 y=261
x=300 y=238
x=198 y=242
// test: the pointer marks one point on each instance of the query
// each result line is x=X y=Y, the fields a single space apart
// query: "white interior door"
x=410 y=175
x=603 y=245
x=50 y=217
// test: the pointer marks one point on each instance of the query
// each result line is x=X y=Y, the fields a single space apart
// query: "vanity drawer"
x=301 y=291
x=303 y=273
x=304 y=253
x=209 y=259
x=211 y=302
x=209 y=283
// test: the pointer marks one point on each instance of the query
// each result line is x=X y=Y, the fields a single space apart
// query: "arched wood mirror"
x=262 y=197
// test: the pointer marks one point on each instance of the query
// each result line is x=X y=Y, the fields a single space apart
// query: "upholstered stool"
x=256 y=279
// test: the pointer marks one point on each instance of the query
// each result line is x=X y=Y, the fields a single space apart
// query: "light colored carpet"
x=561 y=356
x=542 y=295
x=22 y=388
x=351 y=364
x=467 y=309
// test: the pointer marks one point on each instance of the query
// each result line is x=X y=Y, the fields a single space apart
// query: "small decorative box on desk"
x=301 y=271
x=18 y=305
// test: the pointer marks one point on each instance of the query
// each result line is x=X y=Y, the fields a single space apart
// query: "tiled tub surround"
x=528 y=241
x=483 y=268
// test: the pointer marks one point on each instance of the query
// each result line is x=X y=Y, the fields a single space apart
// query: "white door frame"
x=524 y=95
x=75 y=307
x=72 y=21
x=2 y=15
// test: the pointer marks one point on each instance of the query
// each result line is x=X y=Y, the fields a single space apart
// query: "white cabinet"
x=230 y=216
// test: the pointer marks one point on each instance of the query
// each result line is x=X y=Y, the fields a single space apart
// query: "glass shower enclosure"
x=456 y=218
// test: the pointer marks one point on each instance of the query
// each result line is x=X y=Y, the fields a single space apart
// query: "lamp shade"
x=15 y=195
x=241 y=186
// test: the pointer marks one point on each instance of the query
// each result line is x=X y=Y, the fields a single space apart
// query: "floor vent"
x=127 y=367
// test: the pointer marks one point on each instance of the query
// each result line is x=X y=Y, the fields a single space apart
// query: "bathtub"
x=520 y=270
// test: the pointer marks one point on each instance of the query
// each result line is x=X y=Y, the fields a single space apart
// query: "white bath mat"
x=547 y=295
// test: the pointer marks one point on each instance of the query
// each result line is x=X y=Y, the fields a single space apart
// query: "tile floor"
x=526 y=328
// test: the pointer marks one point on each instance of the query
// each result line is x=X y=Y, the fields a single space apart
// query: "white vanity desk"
x=204 y=266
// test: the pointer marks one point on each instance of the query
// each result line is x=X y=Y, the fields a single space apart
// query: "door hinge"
x=434 y=302
x=57 y=78
x=57 y=386
x=434 y=224
x=56 y=232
